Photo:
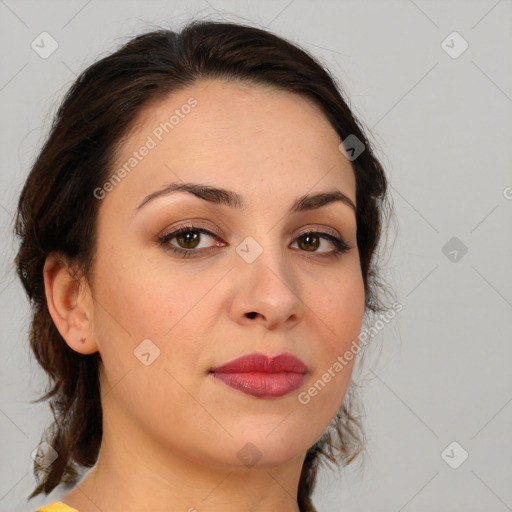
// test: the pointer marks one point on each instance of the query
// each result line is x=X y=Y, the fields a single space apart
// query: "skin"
x=171 y=433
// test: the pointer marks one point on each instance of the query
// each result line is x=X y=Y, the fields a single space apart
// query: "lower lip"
x=263 y=385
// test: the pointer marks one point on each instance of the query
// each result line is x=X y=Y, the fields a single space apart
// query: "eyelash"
x=340 y=245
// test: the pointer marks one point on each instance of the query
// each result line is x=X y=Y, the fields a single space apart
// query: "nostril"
x=251 y=315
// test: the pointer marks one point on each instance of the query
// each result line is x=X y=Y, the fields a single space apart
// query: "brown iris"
x=190 y=237
x=305 y=242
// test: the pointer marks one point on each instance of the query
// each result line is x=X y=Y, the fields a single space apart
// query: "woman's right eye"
x=188 y=237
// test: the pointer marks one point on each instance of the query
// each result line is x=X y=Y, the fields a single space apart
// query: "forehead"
x=235 y=135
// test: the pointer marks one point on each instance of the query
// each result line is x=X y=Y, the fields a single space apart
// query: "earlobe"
x=69 y=307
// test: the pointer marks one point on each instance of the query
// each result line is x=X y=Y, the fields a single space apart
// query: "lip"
x=263 y=376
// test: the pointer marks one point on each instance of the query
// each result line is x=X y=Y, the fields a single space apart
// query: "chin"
x=266 y=447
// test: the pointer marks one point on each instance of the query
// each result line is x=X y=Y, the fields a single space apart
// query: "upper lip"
x=258 y=362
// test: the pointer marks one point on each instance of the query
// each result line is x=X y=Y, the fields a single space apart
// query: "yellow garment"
x=58 y=506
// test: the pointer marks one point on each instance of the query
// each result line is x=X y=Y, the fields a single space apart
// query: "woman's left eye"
x=189 y=238
x=311 y=239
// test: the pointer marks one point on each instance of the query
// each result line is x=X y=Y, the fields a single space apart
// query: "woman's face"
x=162 y=320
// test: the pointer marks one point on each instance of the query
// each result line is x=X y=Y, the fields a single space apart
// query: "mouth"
x=261 y=376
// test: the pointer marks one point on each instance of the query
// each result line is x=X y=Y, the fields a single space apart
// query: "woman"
x=198 y=239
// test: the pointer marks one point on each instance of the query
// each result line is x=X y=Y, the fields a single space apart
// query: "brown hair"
x=57 y=209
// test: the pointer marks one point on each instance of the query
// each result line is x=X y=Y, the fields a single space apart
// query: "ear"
x=70 y=303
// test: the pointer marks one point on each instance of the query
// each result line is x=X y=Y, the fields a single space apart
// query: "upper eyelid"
x=320 y=229
x=314 y=228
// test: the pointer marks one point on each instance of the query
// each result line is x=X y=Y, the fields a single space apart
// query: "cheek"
x=337 y=313
x=135 y=302
x=338 y=301
x=144 y=300
x=172 y=307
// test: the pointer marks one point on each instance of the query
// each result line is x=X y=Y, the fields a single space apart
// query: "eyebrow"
x=229 y=198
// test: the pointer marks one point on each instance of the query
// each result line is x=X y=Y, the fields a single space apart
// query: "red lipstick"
x=262 y=376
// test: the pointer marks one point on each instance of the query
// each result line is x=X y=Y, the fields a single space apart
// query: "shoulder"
x=57 y=506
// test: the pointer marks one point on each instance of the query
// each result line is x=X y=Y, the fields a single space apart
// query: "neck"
x=134 y=472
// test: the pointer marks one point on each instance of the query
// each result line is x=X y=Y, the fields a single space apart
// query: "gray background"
x=442 y=128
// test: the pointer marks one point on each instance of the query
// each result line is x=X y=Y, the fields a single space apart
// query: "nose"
x=266 y=291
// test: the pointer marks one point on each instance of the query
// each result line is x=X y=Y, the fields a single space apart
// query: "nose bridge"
x=264 y=265
x=265 y=251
